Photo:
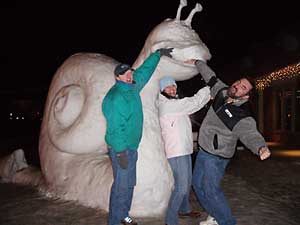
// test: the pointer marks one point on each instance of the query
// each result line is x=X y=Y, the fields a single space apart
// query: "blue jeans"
x=122 y=188
x=179 y=200
x=208 y=173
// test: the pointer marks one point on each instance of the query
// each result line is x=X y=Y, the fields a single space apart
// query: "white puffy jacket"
x=175 y=122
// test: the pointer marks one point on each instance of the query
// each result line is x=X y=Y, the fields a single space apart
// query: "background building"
x=279 y=105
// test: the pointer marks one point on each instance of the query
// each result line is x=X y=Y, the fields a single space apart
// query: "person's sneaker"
x=209 y=221
x=128 y=221
x=193 y=214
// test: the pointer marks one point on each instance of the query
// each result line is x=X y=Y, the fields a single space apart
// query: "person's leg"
x=113 y=218
x=207 y=185
x=180 y=168
x=185 y=209
x=132 y=156
x=185 y=206
x=122 y=187
x=198 y=179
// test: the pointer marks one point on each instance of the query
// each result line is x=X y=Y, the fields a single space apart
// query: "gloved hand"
x=166 y=52
x=122 y=159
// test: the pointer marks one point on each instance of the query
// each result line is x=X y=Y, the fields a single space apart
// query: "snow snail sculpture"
x=73 y=154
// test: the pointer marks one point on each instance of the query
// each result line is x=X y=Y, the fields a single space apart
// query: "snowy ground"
x=260 y=193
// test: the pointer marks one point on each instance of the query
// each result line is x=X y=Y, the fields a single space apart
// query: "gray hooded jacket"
x=218 y=137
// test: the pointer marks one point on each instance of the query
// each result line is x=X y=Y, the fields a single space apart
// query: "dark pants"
x=122 y=187
x=179 y=201
x=207 y=175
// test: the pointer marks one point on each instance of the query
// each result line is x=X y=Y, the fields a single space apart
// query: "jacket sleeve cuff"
x=212 y=81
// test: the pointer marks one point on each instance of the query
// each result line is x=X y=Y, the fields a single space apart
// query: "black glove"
x=166 y=52
x=122 y=159
x=212 y=81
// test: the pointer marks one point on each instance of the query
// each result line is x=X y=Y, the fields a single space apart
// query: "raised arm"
x=187 y=105
x=143 y=73
x=208 y=75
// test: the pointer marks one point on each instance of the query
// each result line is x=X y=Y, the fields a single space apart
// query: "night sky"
x=244 y=37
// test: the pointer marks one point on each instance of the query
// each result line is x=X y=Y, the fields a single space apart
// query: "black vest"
x=228 y=113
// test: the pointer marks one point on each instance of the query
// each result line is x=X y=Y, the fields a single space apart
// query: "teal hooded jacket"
x=122 y=108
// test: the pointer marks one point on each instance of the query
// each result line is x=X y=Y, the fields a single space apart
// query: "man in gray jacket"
x=227 y=121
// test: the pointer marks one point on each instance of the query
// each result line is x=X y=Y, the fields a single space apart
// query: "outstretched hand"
x=166 y=52
x=264 y=153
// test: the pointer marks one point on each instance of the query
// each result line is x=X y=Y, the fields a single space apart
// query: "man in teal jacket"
x=122 y=109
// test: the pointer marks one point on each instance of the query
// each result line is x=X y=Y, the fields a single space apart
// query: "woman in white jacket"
x=178 y=141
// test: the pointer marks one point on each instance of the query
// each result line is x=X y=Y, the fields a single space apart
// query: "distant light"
x=10 y=114
x=17 y=118
x=283 y=152
x=273 y=143
x=287 y=153
x=283 y=74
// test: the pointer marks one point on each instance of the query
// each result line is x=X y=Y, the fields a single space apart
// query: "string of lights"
x=285 y=73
